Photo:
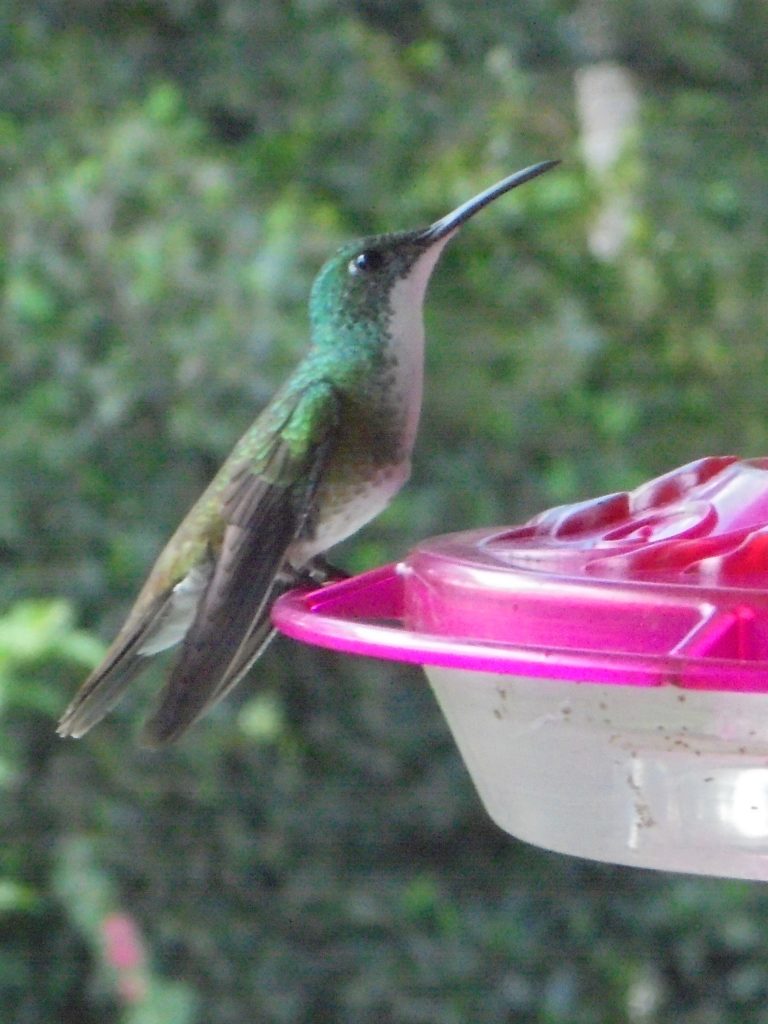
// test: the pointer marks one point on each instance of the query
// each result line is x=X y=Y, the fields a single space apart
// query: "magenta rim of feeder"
x=664 y=585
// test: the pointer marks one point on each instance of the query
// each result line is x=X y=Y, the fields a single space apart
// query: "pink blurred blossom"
x=124 y=953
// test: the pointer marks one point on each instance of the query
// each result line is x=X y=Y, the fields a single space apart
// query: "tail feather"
x=105 y=686
x=104 y=691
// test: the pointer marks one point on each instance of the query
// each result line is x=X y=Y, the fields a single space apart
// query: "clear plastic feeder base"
x=653 y=778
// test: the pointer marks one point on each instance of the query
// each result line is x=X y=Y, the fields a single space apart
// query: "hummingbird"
x=324 y=457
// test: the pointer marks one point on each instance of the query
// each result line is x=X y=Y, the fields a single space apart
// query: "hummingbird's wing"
x=318 y=571
x=268 y=505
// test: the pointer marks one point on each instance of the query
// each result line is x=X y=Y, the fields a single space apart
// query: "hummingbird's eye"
x=369 y=259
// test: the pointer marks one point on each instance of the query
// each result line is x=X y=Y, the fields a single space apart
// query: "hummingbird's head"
x=355 y=288
x=368 y=281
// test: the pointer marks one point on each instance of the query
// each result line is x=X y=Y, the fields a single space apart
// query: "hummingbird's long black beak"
x=462 y=213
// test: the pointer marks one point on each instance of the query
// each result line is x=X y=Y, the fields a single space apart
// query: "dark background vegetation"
x=173 y=173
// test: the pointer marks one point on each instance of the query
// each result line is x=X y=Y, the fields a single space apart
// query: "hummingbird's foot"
x=319 y=571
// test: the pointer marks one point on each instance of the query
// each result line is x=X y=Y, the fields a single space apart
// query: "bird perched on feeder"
x=326 y=455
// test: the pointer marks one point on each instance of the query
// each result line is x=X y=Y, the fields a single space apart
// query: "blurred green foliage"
x=174 y=173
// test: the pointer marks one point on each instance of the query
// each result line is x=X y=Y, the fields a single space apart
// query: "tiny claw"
x=320 y=571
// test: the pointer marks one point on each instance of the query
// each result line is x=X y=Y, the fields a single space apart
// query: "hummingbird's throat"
x=406 y=337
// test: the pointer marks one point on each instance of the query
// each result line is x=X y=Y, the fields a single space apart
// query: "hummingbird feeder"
x=603 y=668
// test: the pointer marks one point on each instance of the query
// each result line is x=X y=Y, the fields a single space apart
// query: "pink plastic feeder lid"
x=667 y=584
